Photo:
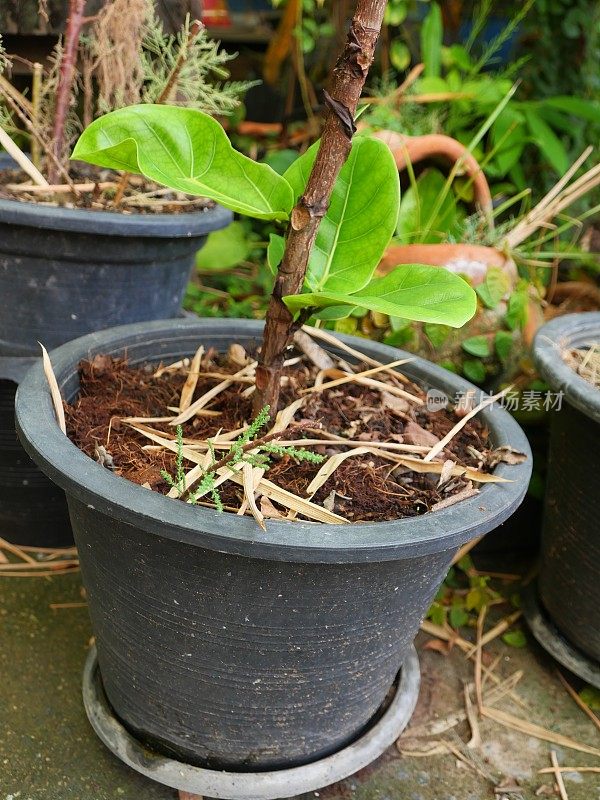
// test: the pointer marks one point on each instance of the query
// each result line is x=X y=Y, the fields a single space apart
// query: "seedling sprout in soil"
x=339 y=202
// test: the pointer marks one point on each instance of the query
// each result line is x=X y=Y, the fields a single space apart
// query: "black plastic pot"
x=569 y=580
x=67 y=272
x=231 y=647
x=64 y=273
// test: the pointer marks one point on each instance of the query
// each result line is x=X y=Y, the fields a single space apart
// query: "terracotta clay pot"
x=414 y=149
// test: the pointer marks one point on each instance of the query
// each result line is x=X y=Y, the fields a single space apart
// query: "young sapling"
x=339 y=202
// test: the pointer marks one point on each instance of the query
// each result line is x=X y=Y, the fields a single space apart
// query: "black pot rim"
x=80 y=220
x=572 y=330
x=110 y=494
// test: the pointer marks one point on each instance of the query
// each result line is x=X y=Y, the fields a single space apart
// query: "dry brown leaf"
x=176 y=365
x=559 y=778
x=330 y=466
x=358 y=378
x=189 y=387
x=237 y=355
x=329 y=502
x=211 y=394
x=415 y=434
x=54 y=390
x=268 y=509
x=439 y=646
x=396 y=405
x=248 y=477
x=505 y=454
x=436 y=467
x=319 y=357
x=468 y=491
x=496 y=631
x=325 y=336
x=446 y=472
x=530 y=729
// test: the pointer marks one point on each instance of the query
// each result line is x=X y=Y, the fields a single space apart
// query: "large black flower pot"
x=569 y=579
x=227 y=646
x=68 y=272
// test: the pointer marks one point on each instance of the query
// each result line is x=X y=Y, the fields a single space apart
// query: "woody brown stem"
x=345 y=87
x=65 y=85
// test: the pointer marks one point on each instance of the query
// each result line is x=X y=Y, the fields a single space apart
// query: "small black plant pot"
x=225 y=646
x=569 y=579
x=64 y=273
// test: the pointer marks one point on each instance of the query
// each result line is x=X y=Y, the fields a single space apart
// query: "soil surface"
x=98 y=190
x=373 y=486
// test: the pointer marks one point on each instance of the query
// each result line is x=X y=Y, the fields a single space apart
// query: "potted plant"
x=562 y=612
x=225 y=645
x=81 y=250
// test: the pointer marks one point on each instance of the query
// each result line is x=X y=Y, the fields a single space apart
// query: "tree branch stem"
x=345 y=87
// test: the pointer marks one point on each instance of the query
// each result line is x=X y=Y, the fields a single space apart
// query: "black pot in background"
x=569 y=579
x=63 y=273
x=518 y=539
x=67 y=272
x=231 y=647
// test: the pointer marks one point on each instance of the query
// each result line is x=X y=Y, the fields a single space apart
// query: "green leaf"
x=413 y=291
x=360 y=220
x=494 y=287
x=548 y=142
x=458 y=617
x=474 y=370
x=280 y=160
x=188 y=151
x=584 y=109
x=508 y=135
x=431 y=85
x=224 y=249
x=516 y=316
x=437 y=334
x=431 y=42
x=275 y=250
x=437 y=613
x=515 y=638
x=334 y=313
x=503 y=343
x=591 y=697
x=477 y=346
x=416 y=206
x=399 y=55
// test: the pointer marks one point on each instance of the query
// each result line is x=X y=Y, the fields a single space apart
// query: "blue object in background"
x=241 y=6
x=493 y=27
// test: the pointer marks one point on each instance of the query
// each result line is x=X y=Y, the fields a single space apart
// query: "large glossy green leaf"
x=275 y=250
x=188 y=151
x=413 y=291
x=360 y=219
x=224 y=249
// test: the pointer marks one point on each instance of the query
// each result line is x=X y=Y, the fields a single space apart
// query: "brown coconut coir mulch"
x=385 y=455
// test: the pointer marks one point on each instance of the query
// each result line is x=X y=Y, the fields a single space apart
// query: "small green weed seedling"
x=246 y=449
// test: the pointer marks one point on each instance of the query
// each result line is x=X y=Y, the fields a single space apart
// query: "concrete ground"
x=49 y=752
